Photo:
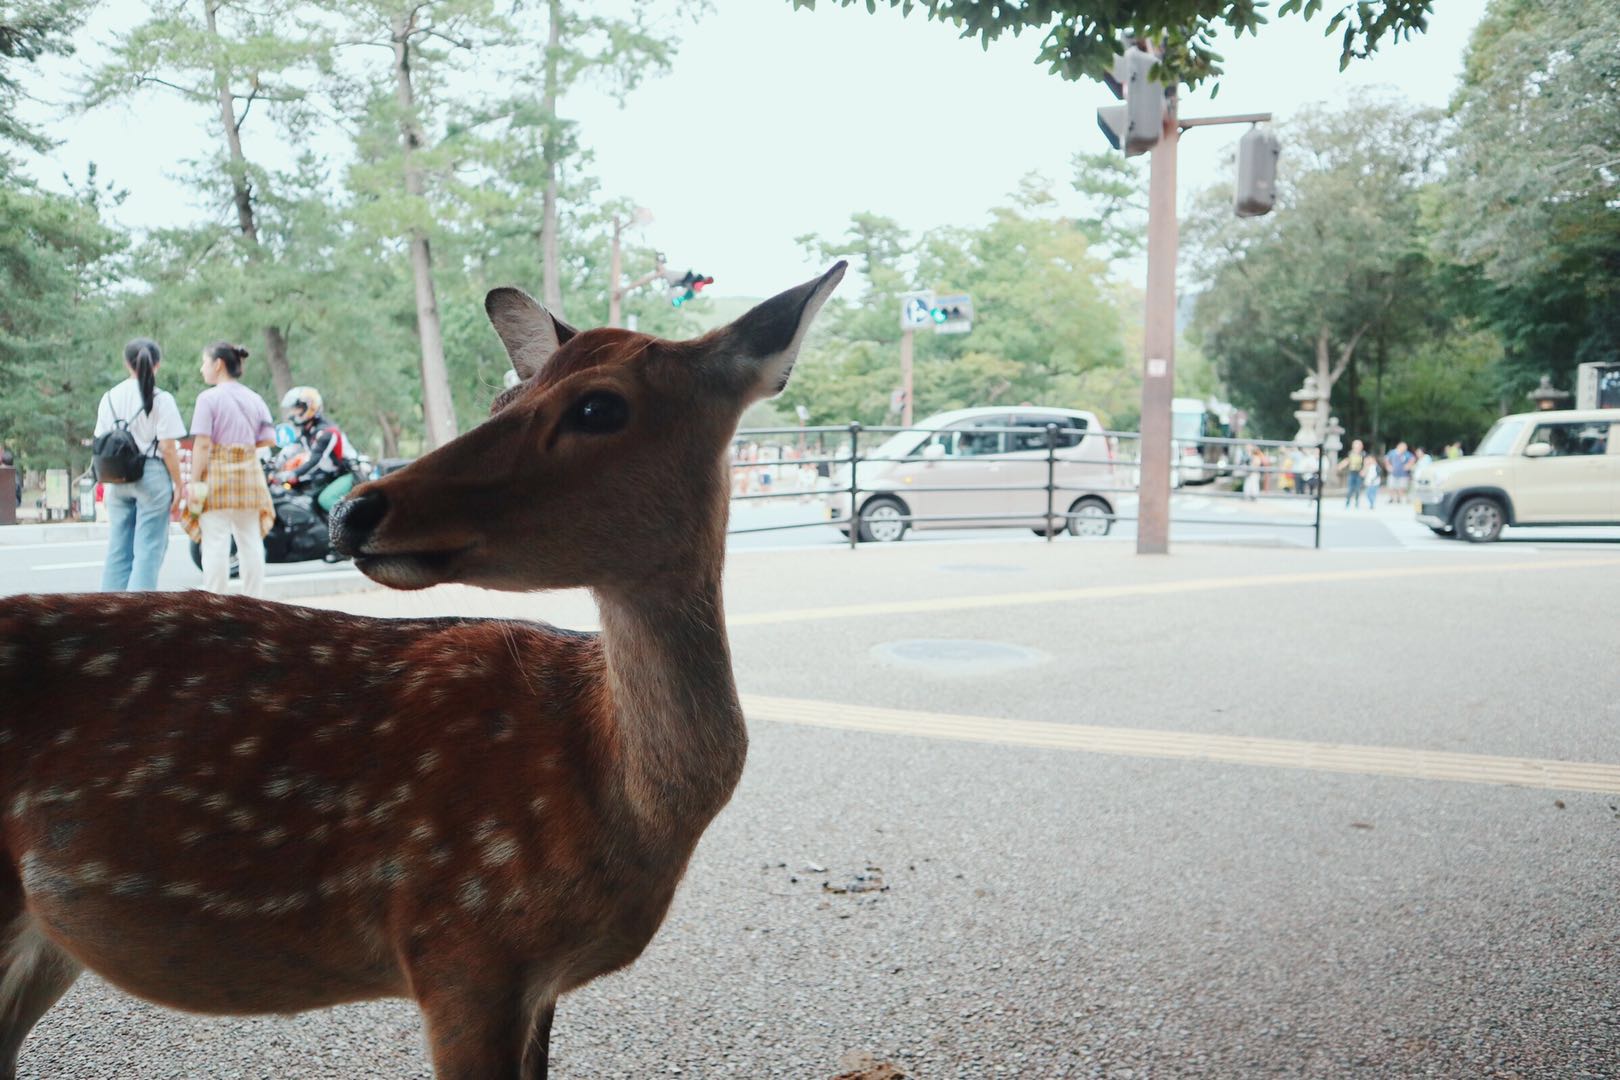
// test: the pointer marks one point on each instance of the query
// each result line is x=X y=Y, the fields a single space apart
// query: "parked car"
x=922 y=472
x=1540 y=468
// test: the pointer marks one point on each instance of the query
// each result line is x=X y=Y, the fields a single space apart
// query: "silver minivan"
x=918 y=478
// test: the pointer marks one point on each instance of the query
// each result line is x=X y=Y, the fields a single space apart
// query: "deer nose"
x=354 y=519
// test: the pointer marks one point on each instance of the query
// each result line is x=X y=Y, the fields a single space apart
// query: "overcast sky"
x=778 y=122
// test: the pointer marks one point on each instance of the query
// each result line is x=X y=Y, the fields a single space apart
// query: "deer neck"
x=680 y=728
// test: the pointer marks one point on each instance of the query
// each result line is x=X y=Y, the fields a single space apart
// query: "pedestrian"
x=9 y=460
x=1370 y=480
x=1252 y=478
x=1351 y=466
x=1420 y=461
x=139 y=508
x=229 y=497
x=1399 y=462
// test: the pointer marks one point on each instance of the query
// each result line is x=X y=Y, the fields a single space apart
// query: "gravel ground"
x=1043 y=913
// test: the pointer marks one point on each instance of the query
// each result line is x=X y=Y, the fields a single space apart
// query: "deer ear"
x=766 y=340
x=529 y=332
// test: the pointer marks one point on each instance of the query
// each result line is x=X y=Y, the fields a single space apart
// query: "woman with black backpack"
x=137 y=458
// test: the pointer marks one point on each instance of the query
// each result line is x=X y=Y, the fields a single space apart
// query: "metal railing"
x=1086 y=445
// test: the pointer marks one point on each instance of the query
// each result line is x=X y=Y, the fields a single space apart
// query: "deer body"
x=211 y=805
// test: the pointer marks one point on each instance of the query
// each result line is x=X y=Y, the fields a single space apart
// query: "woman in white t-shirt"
x=140 y=510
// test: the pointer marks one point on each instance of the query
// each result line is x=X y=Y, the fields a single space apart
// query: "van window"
x=1069 y=434
x=971 y=443
x=1579 y=439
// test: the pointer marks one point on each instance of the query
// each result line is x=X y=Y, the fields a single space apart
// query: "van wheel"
x=1479 y=520
x=883 y=521
x=1090 y=516
x=236 y=562
x=1444 y=532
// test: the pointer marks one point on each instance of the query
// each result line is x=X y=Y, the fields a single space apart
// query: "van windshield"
x=899 y=445
x=1500 y=439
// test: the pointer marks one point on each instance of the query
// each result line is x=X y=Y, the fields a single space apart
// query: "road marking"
x=1148 y=588
x=1413 y=763
x=67 y=565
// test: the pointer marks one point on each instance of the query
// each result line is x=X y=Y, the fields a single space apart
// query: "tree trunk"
x=550 y=283
x=275 y=350
x=390 y=434
x=1378 y=397
x=275 y=342
x=438 y=409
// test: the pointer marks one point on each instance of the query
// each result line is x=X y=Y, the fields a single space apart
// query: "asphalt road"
x=1237 y=812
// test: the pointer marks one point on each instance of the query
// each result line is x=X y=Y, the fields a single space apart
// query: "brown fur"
x=225 y=805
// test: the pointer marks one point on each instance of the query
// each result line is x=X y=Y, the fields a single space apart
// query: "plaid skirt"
x=235 y=482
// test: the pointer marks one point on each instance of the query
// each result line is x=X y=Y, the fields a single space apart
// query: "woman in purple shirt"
x=228 y=494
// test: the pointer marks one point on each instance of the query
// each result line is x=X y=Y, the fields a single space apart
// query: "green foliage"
x=56 y=259
x=30 y=29
x=1341 y=263
x=1082 y=36
x=1044 y=320
x=1531 y=208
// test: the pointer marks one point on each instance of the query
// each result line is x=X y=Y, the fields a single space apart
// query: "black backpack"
x=117 y=457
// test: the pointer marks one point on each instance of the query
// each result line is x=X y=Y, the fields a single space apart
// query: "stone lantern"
x=1547 y=396
x=1308 y=411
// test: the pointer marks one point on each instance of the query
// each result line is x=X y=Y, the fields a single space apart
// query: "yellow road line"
x=1152 y=588
x=1231 y=749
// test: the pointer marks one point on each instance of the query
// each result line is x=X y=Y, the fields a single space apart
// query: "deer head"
x=604 y=466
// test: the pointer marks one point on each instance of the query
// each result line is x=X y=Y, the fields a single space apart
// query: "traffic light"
x=688 y=286
x=1135 y=126
x=1256 y=172
x=952 y=314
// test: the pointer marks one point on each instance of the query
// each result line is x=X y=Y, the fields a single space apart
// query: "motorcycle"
x=301 y=530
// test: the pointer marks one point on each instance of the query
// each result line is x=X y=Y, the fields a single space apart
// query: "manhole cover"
x=983 y=568
x=958 y=657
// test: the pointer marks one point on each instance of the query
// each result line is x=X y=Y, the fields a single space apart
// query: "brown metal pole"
x=906 y=337
x=1159 y=347
x=615 y=290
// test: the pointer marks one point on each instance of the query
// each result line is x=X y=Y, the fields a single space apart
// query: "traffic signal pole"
x=1158 y=345
x=906 y=342
x=1159 y=330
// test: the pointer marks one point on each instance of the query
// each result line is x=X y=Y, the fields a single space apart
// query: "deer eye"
x=599 y=413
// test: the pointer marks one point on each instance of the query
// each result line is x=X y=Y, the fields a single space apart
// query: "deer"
x=213 y=808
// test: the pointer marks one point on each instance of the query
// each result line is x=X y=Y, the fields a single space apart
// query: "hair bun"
x=241 y=354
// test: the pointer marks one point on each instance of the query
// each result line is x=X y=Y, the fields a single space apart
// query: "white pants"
x=218 y=526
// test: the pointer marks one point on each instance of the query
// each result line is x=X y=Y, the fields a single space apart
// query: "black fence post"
x=854 y=489
x=1051 y=476
x=1320 y=449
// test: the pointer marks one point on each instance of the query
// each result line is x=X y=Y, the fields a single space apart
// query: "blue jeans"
x=140 y=530
x=1352 y=496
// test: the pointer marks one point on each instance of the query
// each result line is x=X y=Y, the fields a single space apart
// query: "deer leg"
x=34 y=973
x=537 y=1054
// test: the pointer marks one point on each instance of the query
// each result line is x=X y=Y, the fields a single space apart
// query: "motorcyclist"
x=327 y=471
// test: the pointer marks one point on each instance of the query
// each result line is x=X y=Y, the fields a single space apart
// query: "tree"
x=420 y=38
x=617 y=52
x=1302 y=291
x=1531 y=209
x=1045 y=318
x=57 y=262
x=227 y=56
x=1082 y=36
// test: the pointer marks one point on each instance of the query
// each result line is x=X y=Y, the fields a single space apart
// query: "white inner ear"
x=771 y=374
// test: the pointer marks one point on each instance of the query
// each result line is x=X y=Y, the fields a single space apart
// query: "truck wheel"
x=1479 y=520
